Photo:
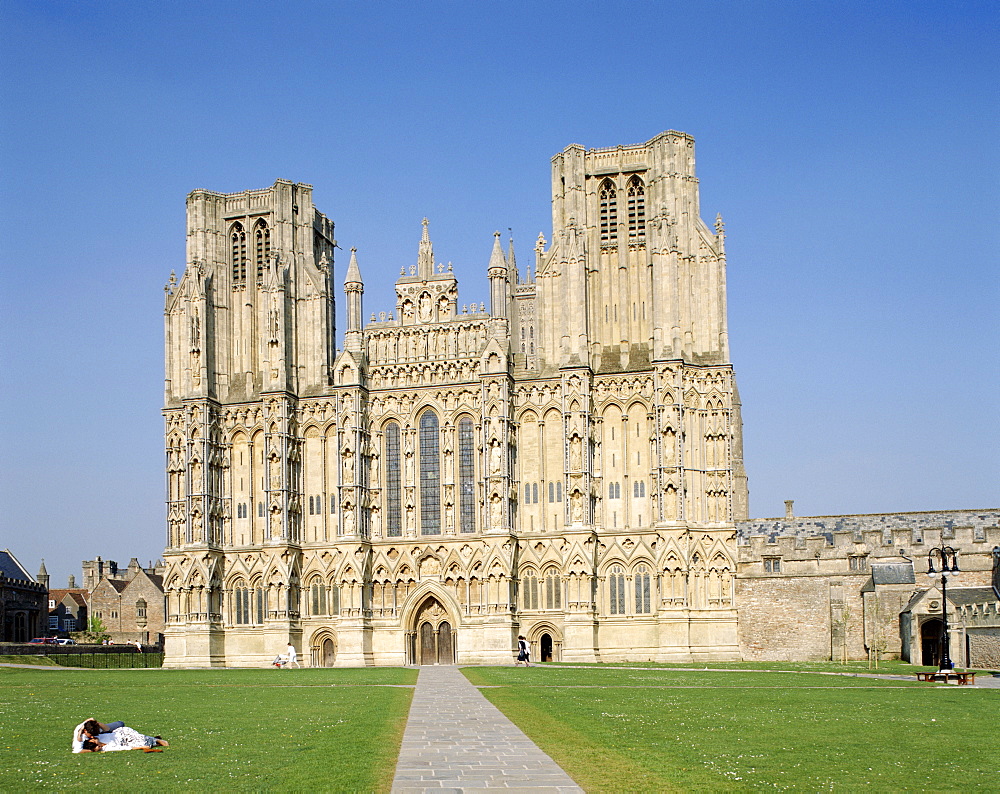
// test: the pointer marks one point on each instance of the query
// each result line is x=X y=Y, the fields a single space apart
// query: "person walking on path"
x=293 y=657
x=523 y=652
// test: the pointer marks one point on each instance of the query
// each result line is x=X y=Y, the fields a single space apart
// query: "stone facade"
x=566 y=464
x=132 y=608
x=824 y=587
x=22 y=601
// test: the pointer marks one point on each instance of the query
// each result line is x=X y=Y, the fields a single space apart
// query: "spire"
x=425 y=257
x=43 y=575
x=497 y=259
x=353 y=271
x=515 y=277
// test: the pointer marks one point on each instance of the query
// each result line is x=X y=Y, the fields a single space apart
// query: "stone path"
x=457 y=741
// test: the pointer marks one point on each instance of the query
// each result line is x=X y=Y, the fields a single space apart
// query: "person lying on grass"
x=96 y=739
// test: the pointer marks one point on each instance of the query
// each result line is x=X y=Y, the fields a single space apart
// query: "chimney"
x=789 y=509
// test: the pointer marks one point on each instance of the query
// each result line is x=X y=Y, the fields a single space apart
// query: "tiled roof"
x=12 y=569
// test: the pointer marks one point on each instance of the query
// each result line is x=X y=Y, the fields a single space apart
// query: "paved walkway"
x=457 y=741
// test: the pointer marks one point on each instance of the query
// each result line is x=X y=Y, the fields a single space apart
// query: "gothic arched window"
x=553 y=589
x=318 y=600
x=529 y=587
x=636 y=193
x=466 y=476
x=616 y=589
x=430 y=475
x=238 y=240
x=642 y=590
x=262 y=246
x=609 y=211
x=393 y=489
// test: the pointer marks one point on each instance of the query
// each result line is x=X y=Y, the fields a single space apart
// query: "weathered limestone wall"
x=984 y=647
x=805 y=589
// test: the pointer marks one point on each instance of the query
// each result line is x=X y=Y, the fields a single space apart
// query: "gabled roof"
x=12 y=569
x=78 y=596
x=117 y=584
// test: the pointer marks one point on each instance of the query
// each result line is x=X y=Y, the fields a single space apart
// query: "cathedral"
x=564 y=463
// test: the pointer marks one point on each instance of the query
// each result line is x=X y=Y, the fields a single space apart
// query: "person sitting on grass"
x=95 y=739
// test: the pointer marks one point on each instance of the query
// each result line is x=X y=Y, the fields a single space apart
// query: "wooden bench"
x=945 y=676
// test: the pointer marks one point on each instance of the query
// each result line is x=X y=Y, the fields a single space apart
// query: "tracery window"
x=636 y=194
x=639 y=488
x=609 y=211
x=242 y=598
x=238 y=240
x=430 y=475
x=642 y=590
x=262 y=246
x=140 y=608
x=553 y=589
x=318 y=597
x=466 y=476
x=261 y=603
x=529 y=586
x=616 y=589
x=614 y=490
x=393 y=489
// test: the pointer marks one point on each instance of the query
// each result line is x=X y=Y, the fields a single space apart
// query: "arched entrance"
x=323 y=649
x=546 y=647
x=546 y=643
x=432 y=640
x=930 y=642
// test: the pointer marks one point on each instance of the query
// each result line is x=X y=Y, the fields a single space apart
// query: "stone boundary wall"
x=799 y=582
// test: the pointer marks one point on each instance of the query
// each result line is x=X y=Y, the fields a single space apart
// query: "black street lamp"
x=948 y=559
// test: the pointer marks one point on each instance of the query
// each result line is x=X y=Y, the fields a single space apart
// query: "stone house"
x=132 y=607
x=67 y=610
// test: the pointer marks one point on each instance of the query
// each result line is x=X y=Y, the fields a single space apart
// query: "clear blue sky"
x=851 y=148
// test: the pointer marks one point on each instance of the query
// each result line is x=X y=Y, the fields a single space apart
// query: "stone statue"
x=577 y=507
x=576 y=453
x=348 y=467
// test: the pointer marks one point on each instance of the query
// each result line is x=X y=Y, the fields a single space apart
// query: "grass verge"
x=229 y=730
x=684 y=730
x=37 y=661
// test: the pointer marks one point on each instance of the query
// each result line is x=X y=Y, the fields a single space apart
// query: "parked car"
x=43 y=641
x=66 y=641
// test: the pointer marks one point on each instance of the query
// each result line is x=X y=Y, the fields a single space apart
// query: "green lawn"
x=229 y=730
x=694 y=730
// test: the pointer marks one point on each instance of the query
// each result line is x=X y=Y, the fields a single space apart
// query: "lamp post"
x=948 y=559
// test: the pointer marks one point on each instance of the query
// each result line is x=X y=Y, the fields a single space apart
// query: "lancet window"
x=318 y=597
x=529 y=587
x=393 y=485
x=636 y=195
x=616 y=589
x=466 y=476
x=262 y=246
x=642 y=590
x=553 y=589
x=238 y=241
x=609 y=211
x=430 y=475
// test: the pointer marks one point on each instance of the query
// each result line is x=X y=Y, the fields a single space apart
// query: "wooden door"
x=328 y=653
x=446 y=654
x=428 y=651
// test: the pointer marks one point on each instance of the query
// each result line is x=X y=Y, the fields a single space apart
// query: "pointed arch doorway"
x=432 y=637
